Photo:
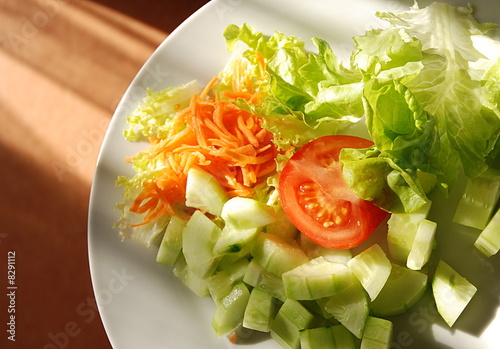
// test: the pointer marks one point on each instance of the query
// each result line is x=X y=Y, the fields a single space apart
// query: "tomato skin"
x=316 y=198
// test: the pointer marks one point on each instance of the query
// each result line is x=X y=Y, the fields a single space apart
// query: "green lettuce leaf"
x=431 y=103
x=306 y=94
x=152 y=115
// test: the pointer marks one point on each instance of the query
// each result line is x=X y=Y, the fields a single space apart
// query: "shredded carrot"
x=217 y=136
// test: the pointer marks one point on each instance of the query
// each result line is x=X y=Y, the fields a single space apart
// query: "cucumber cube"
x=290 y=319
x=204 y=192
x=171 y=243
x=343 y=338
x=317 y=338
x=231 y=258
x=260 y=311
x=329 y=337
x=479 y=199
x=377 y=334
x=276 y=254
x=316 y=279
x=350 y=307
x=230 y=310
x=314 y=250
x=402 y=228
x=422 y=245
x=372 y=268
x=189 y=279
x=403 y=289
x=234 y=240
x=198 y=241
x=488 y=242
x=245 y=213
x=452 y=292
x=222 y=282
x=257 y=277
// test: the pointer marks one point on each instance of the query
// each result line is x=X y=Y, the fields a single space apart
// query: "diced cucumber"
x=402 y=228
x=452 y=292
x=171 y=243
x=317 y=338
x=256 y=276
x=260 y=311
x=479 y=199
x=204 y=192
x=234 y=240
x=229 y=259
x=245 y=213
x=403 y=289
x=343 y=337
x=372 y=268
x=276 y=254
x=221 y=283
x=317 y=307
x=189 y=279
x=282 y=226
x=377 y=334
x=290 y=319
x=488 y=242
x=328 y=337
x=316 y=279
x=314 y=250
x=422 y=245
x=230 y=310
x=322 y=310
x=198 y=241
x=350 y=307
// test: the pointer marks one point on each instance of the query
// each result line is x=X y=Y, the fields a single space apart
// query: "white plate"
x=141 y=304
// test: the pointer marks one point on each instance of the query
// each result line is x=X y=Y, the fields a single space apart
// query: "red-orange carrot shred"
x=217 y=136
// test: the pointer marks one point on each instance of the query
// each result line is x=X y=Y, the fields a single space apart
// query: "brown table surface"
x=64 y=65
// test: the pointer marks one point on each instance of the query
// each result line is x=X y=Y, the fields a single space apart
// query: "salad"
x=295 y=189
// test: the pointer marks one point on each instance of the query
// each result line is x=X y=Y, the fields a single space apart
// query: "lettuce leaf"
x=151 y=117
x=129 y=223
x=305 y=94
x=431 y=103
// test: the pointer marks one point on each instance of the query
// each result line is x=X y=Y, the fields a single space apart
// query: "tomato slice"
x=316 y=198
